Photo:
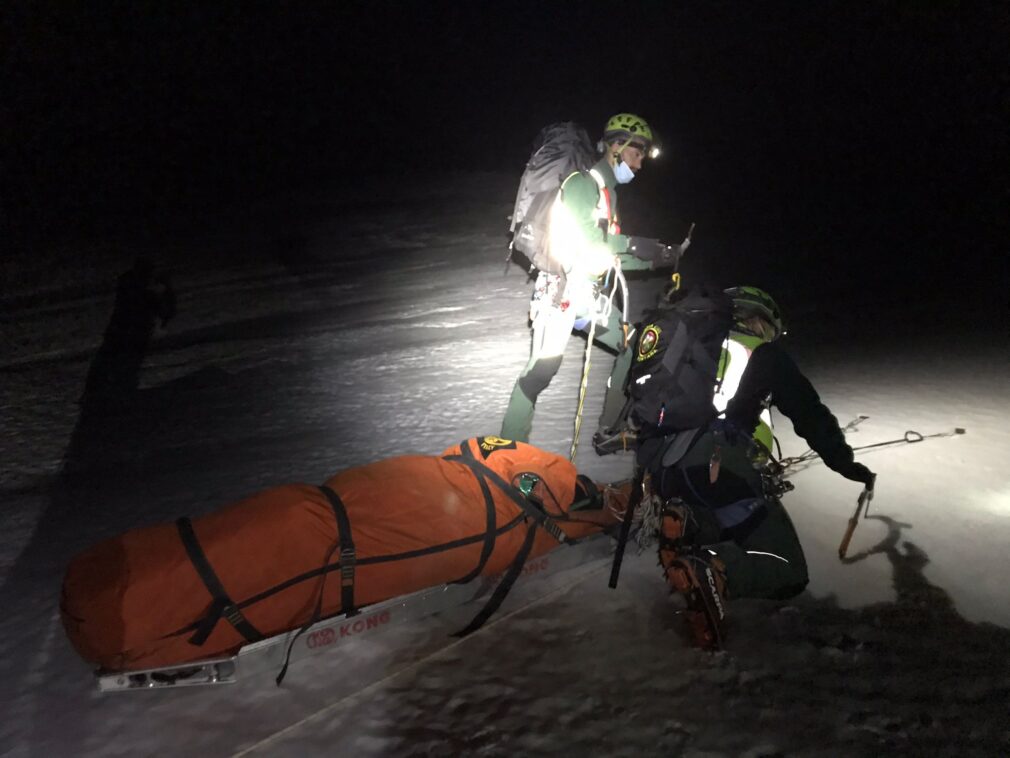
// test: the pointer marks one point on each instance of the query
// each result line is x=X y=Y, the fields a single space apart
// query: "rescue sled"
x=313 y=565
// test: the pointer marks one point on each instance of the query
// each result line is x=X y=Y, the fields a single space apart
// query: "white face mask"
x=623 y=173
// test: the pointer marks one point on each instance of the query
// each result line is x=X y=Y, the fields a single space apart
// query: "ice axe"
x=910 y=437
x=863 y=502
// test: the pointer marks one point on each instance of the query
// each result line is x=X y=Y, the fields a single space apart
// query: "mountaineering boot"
x=695 y=573
x=607 y=441
x=701 y=580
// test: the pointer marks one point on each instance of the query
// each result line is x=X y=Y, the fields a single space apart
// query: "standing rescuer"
x=585 y=234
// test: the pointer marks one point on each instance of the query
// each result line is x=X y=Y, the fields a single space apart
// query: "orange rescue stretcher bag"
x=287 y=557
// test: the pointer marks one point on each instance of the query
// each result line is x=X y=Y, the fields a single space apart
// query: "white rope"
x=605 y=302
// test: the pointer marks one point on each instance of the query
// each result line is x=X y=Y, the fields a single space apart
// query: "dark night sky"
x=871 y=131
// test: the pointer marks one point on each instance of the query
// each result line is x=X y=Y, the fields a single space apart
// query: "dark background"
x=860 y=146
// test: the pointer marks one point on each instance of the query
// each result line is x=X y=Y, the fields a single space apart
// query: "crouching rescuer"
x=715 y=488
x=572 y=237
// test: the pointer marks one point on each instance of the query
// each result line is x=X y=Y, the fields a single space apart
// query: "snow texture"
x=339 y=332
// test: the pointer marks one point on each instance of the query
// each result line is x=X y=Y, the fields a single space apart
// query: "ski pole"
x=910 y=437
x=809 y=454
x=629 y=515
x=863 y=502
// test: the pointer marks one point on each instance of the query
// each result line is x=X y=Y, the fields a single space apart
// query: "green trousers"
x=552 y=329
x=763 y=557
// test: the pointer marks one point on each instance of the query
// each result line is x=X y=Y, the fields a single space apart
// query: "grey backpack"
x=559 y=150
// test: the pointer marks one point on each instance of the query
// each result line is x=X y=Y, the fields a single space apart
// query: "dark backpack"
x=674 y=370
x=559 y=150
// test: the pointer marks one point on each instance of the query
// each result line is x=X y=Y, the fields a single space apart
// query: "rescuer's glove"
x=857 y=472
x=659 y=253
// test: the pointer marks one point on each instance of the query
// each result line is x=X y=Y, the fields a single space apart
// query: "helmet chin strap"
x=615 y=153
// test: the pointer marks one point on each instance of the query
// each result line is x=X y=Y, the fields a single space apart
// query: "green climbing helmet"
x=634 y=129
x=752 y=301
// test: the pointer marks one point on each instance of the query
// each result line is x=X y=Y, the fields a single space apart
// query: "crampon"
x=697 y=575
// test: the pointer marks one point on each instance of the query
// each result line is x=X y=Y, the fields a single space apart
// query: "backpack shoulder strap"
x=579 y=173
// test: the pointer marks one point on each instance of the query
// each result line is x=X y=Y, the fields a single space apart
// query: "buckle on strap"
x=232 y=615
x=553 y=529
x=347 y=563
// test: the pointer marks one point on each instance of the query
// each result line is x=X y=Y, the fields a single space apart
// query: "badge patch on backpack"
x=648 y=343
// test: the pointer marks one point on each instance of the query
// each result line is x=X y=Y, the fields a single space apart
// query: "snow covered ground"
x=336 y=332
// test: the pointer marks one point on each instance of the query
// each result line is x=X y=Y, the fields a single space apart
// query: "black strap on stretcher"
x=222 y=606
x=538 y=518
x=529 y=506
x=348 y=560
x=489 y=531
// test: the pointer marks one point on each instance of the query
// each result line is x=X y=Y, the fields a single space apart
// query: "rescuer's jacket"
x=771 y=373
x=585 y=229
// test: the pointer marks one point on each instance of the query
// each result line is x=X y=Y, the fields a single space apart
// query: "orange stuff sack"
x=139 y=600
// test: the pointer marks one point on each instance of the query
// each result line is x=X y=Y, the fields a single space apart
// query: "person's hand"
x=663 y=256
x=646 y=248
x=667 y=256
x=857 y=472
